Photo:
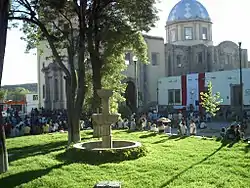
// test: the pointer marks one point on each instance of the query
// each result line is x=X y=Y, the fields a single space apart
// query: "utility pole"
x=135 y=59
x=241 y=87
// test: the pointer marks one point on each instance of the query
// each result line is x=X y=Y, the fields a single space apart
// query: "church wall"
x=46 y=89
x=155 y=71
x=227 y=56
x=42 y=62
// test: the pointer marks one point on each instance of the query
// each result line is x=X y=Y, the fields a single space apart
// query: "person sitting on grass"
x=223 y=132
x=230 y=134
x=153 y=128
x=161 y=127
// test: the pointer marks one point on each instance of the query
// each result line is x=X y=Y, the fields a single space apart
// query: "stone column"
x=106 y=136
x=51 y=91
x=61 y=89
x=47 y=93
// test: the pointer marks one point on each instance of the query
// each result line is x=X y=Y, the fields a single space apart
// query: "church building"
x=188 y=48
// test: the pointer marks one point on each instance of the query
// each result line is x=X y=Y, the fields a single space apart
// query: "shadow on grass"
x=176 y=137
x=228 y=143
x=15 y=180
x=247 y=148
x=192 y=166
x=148 y=135
x=87 y=133
x=34 y=150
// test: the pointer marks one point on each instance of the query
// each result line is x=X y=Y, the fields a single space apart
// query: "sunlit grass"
x=170 y=162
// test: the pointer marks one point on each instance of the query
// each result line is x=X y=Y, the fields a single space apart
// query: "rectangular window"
x=174 y=96
x=170 y=96
x=56 y=90
x=43 y=91
x=177 y=96
x=199 y=58
x=188 y=33
x=154 y=58
x=178 y=60
x=127 y=58
x=173 y=35
x=35 y=97
x=229 y=59
x=204 y=33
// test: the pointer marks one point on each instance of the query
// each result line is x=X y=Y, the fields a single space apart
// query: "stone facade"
x=201 y=58
x=54 y=87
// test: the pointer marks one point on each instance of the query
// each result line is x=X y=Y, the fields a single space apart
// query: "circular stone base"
x=117 y=145
x=93 y=153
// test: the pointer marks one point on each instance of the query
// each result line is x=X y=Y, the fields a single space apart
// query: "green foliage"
x=17 y=94
x=3 y=94
x=114 y=58
x=210 y=101
x=89 y=93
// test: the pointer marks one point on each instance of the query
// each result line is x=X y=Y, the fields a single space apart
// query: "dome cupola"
x=189 y=24
x=188 y=10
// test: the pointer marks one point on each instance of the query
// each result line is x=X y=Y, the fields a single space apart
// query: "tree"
x=61 y=24
x=210 y=101
x=3 y=94
x=17 y=94
x=4 y=8
x=113 y=30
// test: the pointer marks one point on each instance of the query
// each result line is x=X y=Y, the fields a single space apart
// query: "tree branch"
x=48 y=36
x=71 y=26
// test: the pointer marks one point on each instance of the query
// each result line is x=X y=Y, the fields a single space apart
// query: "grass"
x=171 y=162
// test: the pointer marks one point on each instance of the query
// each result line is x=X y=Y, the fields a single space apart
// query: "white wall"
x=164 y=84
x=32 y=101
x=221 y=82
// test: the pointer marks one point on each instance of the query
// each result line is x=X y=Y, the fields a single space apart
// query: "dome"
x=188 y=10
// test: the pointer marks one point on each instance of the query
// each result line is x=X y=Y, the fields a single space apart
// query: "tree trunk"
x=73 y=117
x=4 y=9
x=3 y=151
x=96 y=78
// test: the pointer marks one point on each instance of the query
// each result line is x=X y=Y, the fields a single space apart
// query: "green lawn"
x=170 y=162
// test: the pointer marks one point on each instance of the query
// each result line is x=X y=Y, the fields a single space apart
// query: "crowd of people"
x=37 y=122
x=41 y=121
x=156 y=122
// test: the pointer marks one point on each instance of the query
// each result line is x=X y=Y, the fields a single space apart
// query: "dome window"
x=188 y=33
x=173 y=35
x=204 y=33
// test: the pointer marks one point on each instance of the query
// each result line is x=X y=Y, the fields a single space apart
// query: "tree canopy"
x=86 y=36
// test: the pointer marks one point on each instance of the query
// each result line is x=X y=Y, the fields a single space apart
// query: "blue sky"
x=230 y=22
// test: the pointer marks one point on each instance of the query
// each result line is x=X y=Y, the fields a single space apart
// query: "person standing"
x=192 y=127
